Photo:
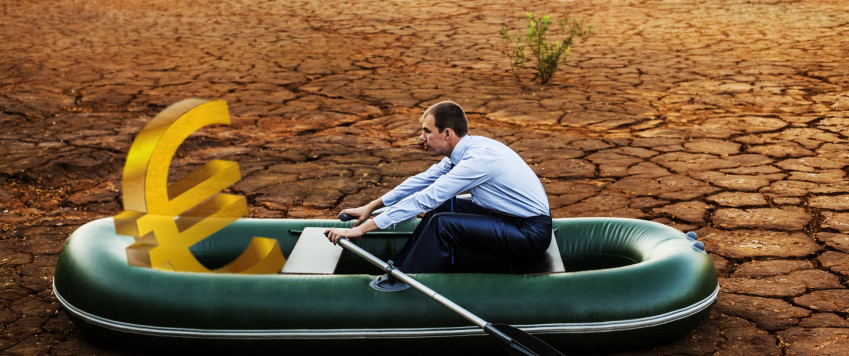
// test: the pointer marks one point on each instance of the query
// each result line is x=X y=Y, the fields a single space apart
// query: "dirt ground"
x=726 y=117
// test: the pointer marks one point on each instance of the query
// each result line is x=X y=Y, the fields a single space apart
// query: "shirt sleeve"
x=467 y=174
x=416 y=183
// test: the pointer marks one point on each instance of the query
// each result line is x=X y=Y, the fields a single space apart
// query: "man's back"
x=510 y=186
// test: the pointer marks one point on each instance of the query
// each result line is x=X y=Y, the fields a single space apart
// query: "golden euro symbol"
x=167 y=219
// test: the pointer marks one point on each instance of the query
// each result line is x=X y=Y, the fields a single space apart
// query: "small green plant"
x=548 y=55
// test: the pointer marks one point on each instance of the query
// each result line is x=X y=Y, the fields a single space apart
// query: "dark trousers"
x=461 y=223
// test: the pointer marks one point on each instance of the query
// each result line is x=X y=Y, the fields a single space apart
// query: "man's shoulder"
x=478 y=144
x=486 y=150
x=483 y=141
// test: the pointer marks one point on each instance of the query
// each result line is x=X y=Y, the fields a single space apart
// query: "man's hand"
x=351 y=234
x=362 y=213
x=335 y=234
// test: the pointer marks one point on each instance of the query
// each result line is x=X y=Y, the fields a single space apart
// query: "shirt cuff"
x=382 y=221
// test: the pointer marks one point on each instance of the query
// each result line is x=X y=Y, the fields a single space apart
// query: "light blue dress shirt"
x=496 y=177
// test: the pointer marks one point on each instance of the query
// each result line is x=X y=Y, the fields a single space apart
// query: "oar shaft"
x=438 y=298
x=530 y=346
x=413 y=283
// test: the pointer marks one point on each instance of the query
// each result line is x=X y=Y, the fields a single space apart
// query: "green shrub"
x=548 y=56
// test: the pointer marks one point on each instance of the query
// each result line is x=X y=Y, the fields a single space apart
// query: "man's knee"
x=444 y=225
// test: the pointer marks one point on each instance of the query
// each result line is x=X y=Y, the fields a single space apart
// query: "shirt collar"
x=457 y=153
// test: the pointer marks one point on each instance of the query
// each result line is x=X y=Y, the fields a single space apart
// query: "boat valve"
x=699 y=246
x=694 y=238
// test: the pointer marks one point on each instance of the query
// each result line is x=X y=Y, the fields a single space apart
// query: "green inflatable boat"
x=606 y=283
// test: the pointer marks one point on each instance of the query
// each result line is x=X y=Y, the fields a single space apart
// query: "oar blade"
x=521 y=343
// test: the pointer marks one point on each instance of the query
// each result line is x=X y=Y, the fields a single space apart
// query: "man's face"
x=435 y=142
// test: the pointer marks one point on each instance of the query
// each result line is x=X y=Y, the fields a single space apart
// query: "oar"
x=513 y=340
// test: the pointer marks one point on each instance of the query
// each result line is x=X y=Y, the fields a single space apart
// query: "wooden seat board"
x=313 y=254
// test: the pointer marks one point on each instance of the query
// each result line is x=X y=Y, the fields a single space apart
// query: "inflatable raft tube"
x=628 y=284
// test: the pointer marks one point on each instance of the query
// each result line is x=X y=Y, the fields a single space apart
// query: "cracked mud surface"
x=730 y=118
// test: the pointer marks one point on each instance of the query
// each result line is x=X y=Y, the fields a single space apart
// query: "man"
x=508 y=214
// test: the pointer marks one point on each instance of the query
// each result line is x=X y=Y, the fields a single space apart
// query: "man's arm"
x=417 y=182
x=465 y=176
x=409 y=186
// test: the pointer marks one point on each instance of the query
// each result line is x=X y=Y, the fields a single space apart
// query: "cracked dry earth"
x=730 y=118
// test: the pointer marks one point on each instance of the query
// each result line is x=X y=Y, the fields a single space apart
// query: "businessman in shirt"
x=508 y=214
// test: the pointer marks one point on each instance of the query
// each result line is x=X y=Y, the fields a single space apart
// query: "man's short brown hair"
x=447 y=114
